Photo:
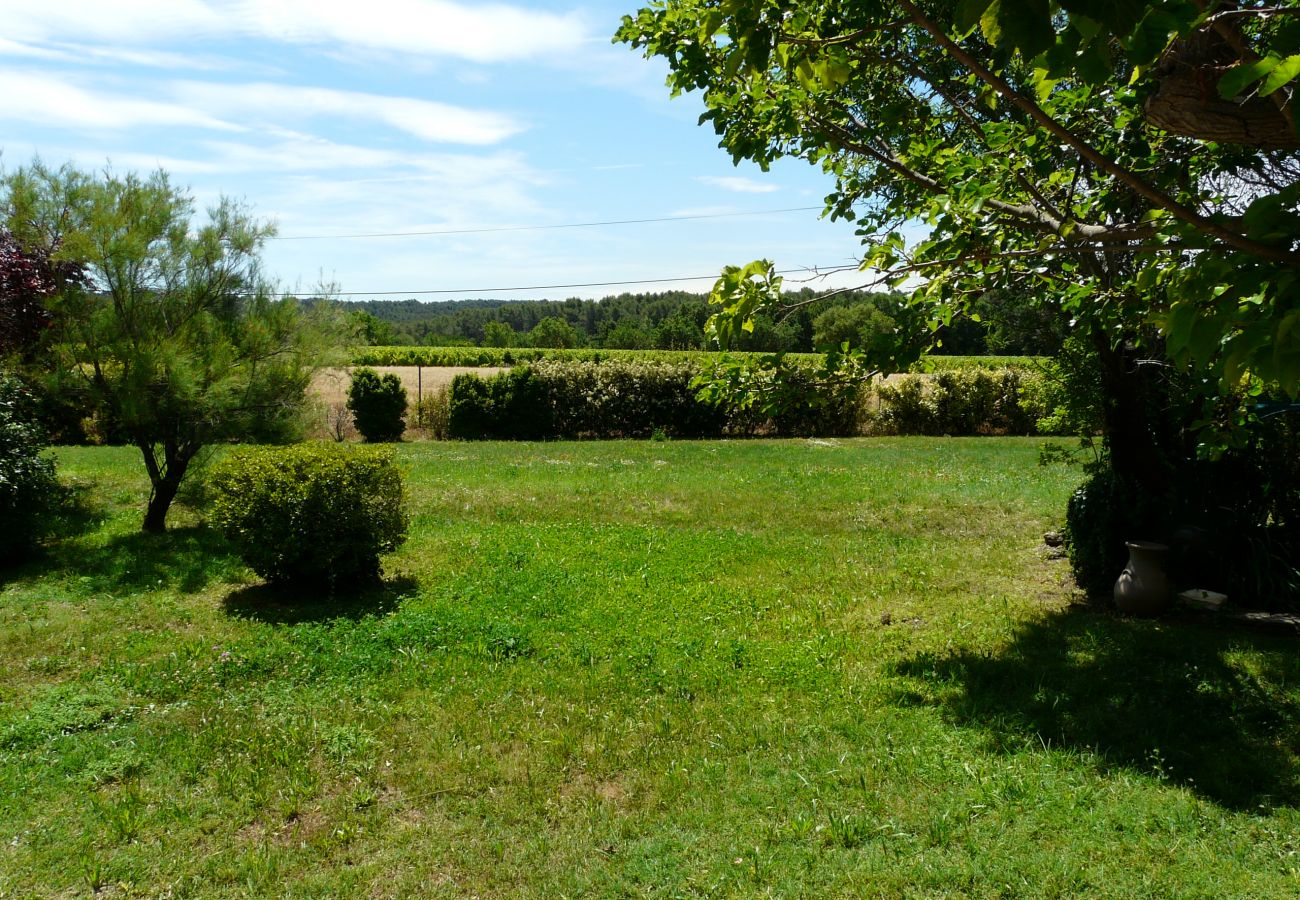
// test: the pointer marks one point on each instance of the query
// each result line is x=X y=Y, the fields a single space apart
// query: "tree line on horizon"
x=675 y=320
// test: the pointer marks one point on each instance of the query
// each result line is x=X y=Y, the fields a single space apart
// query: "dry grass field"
x=330 y=386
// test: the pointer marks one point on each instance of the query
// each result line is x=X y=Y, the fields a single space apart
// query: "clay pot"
x=1142 y=589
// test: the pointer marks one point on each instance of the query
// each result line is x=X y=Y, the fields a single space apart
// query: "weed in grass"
x=61 y=710
x=120 y=763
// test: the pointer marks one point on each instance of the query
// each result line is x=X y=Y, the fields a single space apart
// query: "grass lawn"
x=785 y=668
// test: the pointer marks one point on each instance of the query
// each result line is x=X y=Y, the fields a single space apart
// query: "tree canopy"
x=1009 y=145
x=1134 y=169
x=173 y=333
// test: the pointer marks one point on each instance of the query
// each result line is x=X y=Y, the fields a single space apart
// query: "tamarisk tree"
x=173 y=332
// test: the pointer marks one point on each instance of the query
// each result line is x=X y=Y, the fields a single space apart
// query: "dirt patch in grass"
x=612 y=790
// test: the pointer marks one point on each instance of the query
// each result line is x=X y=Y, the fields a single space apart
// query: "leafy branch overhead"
x=1134 y=165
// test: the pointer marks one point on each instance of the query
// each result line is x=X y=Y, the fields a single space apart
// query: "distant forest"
x=674 y=320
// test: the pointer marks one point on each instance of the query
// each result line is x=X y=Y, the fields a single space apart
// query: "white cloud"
x=36 y=98
x=132 y=22
x=737 y=183
x=481 y=33
x=426 y=119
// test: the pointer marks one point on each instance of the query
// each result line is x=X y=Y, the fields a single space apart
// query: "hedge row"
x=935 y=364
x=555 y=399
x=968 y=402
x=478 y=357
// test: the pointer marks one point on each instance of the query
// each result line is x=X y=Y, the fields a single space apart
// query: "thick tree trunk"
x=160 y=501
x=1187 y=100
x=1135 y=453
x=164 y=482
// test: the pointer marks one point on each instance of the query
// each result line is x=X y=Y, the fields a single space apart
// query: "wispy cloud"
x=482 y=33
x=425 y=119
x=41 y=98
x=127 y=22
x=737 y=183
x=38 y=98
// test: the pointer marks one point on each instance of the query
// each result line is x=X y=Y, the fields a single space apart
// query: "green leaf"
x=1236 y=79
x=1151 y=37
x=1286 y=71
x=1024 y=25
x=968 y=13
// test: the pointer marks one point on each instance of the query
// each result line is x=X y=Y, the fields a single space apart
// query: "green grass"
x=785 y=668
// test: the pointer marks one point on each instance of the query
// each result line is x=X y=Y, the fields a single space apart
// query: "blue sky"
x=410 y=115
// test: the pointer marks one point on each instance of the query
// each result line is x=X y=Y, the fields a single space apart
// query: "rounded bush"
x=310 y=512
x=378 y=404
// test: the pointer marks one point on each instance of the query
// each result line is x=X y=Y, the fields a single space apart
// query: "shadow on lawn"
x=1161 y=697
x=290 y=605
x=187 y=559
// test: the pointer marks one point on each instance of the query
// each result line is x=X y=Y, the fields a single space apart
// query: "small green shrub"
x=310 y=512
x=433 y=413
x=470 y=412
x=378 y=405
x=28 y=488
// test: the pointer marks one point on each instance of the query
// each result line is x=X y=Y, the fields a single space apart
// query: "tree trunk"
x=1134 y=451
x=160 y=500
x=1187 y=102
x=164 y=482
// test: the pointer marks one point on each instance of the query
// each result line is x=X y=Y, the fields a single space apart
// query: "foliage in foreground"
x=28 y=487
x=1132 y=169
x=311 y=513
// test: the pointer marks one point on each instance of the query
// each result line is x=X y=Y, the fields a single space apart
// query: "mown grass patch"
x=830 y=668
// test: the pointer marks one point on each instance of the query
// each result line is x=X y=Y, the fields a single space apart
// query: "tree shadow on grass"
x=185 y=559
x=292 y=604
x=1162 y=697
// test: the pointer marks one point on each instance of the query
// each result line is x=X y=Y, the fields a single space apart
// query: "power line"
x=813 y=272
x=500 y=228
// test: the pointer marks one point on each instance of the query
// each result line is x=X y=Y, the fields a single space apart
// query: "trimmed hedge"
x=310 y=513
x=555 y=399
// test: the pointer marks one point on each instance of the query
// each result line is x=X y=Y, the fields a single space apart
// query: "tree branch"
x=1040 y=220
x=1104 y=163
